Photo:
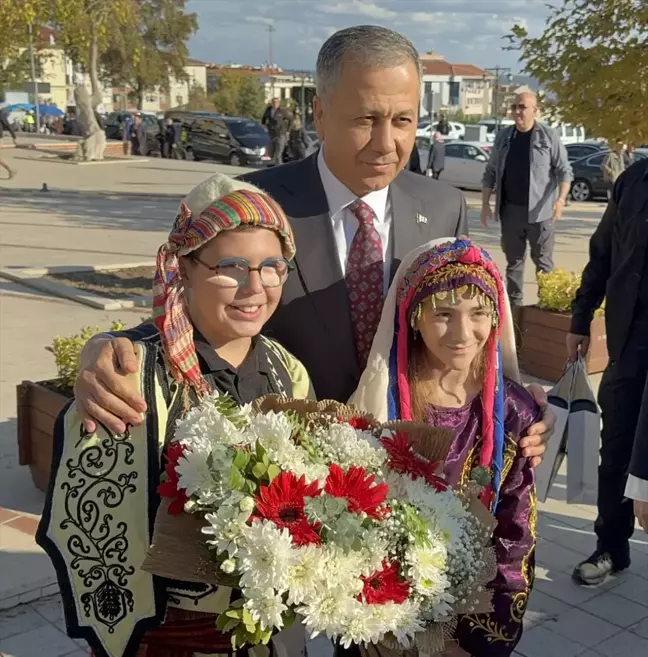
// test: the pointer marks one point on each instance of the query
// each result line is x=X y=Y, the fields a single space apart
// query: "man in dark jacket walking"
x=617 y=271
x=5 y=124
x=436 y=158
x=277 y=121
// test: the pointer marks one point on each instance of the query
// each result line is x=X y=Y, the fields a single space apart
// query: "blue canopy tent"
x=25 y=107
x=50 y=110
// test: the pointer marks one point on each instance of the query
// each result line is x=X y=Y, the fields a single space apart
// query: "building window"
x=151 y=99
x=453 y=94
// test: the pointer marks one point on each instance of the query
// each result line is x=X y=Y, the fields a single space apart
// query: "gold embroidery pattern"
x=468 y=466
x=518 y=606
x=493 y=632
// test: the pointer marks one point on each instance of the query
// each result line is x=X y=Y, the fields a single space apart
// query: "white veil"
x=371 y=394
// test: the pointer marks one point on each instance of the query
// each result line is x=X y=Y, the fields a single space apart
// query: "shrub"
x=67 y=350
x=557 y=290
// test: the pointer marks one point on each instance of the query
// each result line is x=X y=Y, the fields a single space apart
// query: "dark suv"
x=231 y=139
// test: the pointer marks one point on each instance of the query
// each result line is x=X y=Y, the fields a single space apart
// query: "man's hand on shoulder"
x=534 y=444
x=102 y=391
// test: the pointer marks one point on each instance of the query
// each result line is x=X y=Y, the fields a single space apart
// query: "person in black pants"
x=617 y=271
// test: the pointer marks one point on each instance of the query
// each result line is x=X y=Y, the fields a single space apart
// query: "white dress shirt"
x=345 y=223
x=637 y=489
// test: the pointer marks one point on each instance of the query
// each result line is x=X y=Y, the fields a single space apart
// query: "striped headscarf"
x=216 y=205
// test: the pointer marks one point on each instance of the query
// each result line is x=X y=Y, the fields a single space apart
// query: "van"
x=492 y=126
x=570 y=134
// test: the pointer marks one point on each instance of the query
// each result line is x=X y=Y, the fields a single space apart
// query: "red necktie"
x=364 y=279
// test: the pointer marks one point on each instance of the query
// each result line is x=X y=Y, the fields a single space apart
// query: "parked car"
x=231 y=139
x=578 y=151
x=493 y=125
x=457 y=130
x=115 y=126
x=464 y=163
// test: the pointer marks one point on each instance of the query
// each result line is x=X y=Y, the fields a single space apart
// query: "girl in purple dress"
x=444 y=354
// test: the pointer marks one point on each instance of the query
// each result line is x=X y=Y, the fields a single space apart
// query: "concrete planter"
x=543 y=352
x=38 y=408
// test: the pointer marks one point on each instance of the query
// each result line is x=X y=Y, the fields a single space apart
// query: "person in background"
x=630 y=155
x=277 y=121
x=529 y=172
x=613 y=166
x=139 y=145
x=171 y=138
x=414 y=164
x=30 y=122
x=443 y=127
x=161 y=137
x=5 y=124
x=436 y=157
x=127 y=129
x=72 y=126
x=297 y=141
x=617 y=271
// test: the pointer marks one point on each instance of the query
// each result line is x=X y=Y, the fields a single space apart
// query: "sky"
x=464 y=31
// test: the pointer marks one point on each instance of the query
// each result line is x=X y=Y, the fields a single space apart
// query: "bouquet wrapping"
x=315 y=510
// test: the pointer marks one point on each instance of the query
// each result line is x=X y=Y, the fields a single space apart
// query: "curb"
x=8 y=192
x=28 y=278
x=31 y=272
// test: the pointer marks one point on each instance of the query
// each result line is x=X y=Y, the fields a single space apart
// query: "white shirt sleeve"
x=637 y=489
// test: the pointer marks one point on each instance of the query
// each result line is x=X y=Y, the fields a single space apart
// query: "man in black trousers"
x=617 y=271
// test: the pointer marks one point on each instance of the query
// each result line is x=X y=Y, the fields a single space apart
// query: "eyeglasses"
x=234 y=272
x=519 y=106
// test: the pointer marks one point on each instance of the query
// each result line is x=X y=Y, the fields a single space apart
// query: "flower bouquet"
x=314 y=510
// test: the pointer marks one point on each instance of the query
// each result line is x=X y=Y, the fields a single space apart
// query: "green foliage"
x=557 y=290
x=238 y=621
x=592 y=60
x=67 y=350
x=149 y=51
x=239 y=94
x=198 y=100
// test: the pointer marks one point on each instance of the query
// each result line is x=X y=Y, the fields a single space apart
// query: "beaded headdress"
x=451 y=270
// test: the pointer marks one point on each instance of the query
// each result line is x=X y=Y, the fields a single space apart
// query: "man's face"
x=368 y=124
x=275 y=103
x=524 y=112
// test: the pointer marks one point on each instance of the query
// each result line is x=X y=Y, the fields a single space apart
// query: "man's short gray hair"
x=372 y=45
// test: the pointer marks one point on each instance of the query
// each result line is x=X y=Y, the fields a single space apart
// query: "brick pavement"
x=563 y=619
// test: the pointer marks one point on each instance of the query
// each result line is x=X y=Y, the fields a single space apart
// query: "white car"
x=491 y=127
x=464 y=163
x=457 y=130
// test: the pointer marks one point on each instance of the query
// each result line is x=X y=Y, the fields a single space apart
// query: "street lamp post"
x=497 y=71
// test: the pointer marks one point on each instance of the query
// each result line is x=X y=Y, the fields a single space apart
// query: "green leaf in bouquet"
x=251 y=486
x=231 y=624
x=259 y=470
x=273 y=471
x=241 y=459
x=288 y=617
x=260 y=451
x=237 y=480
x=235 y=613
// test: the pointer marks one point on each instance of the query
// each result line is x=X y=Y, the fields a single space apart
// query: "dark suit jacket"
x=313 y=321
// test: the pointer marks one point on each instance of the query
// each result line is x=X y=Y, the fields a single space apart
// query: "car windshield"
x=246 y=128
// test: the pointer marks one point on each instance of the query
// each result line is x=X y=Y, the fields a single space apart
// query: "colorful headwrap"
x=218 y=204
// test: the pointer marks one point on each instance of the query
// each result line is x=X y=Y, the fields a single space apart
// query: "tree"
x=239 y=94
x=151 y=50
x=198 y=100
x=592 y=60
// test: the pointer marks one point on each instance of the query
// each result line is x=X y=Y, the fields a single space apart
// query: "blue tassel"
x=499 y=437
x=393 y=398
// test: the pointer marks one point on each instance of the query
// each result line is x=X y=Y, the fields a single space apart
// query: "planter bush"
x=544 y=328
x=39 y=404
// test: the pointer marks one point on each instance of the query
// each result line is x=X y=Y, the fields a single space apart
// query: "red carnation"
x=385 y=586
x=404 y=459
x=358 y=489
x=169 y=487
x=283 y=502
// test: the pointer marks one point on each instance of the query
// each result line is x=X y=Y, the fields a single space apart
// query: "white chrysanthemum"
x=363 y=625
x=375 y=549
x=226 y=526
x=205 y=426
x=397 y=484
x=405 y=621
x=428 y=567
x=344 y=445
x=327 y=613
x=266 y=607
x=266 y=556
x=307 y=573
x=343 y=570
x=274 y=431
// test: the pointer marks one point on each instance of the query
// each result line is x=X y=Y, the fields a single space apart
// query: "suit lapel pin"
x=420 y=219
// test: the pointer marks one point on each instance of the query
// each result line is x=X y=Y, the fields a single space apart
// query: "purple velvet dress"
x=496 y=634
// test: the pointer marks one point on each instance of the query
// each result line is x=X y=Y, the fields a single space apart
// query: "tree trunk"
x=93 y=64
x=93 y=145
x=140 y=96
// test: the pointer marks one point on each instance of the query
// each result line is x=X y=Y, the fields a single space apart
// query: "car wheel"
x=235 y=159
x=581 y=190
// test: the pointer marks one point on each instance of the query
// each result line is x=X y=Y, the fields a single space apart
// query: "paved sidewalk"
x=102 y=223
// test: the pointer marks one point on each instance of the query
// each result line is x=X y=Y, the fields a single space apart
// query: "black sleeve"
x=462 y=223
x=141 y=332
x=591 y=292
x=415 y=161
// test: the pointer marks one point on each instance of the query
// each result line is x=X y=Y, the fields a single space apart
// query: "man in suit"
x=618 y=271
x=355 y=211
